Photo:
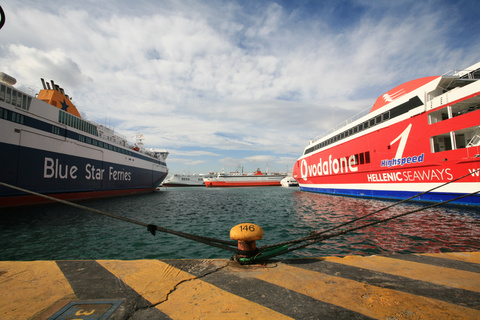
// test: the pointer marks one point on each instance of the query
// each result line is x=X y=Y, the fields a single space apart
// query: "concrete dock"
x=411 y=286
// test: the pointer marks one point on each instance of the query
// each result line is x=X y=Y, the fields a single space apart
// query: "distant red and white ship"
x=236 y=179
x=419 y=135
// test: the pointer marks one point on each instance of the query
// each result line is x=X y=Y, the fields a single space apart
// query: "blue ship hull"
x=473 y=200
x=68 y=176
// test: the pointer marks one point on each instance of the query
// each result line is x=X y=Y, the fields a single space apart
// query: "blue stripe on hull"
x=398 y=195
x=51 y=172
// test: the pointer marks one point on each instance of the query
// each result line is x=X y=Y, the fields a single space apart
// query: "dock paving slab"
x=411 y=286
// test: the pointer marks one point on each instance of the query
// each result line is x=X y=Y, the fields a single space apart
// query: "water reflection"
x=441 y=229
x=61 y=232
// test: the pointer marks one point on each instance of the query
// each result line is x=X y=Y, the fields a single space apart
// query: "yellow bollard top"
x=246 y=232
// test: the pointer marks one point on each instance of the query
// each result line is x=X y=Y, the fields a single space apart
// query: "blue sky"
x=232 y=84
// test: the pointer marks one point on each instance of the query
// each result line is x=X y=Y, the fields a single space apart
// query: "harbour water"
x=59 y=232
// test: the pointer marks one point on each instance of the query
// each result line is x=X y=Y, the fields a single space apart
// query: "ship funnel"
x=43 y=83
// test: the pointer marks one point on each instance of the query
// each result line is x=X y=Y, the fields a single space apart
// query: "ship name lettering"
x=119 y=175
x=401 y=161
x=54 y=169
x=93 y=173
x=328 y=167
x=475 y=172
x=384 y=177
x=428 y=175
x=411 y=176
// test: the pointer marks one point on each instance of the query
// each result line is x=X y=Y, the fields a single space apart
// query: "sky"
x=232 y=85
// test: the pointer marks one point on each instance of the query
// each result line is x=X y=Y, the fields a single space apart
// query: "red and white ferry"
x=237 y=179
x=419 y=135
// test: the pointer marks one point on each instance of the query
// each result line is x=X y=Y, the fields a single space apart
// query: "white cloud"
x=195 y=76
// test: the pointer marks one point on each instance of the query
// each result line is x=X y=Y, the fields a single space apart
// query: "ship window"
x=365 y=125
x=441 y=142
x=7 y=97
x=19 y=99
x=367 y=157
x=24 y=102
x=438 y=115
x=378 y=119
x=405 y=107
x=372 y=122
x=362 y=159
x=2 y=92
x=455 y=110
x=386 y=116
x=14 y=97
x=469 y=137
x=460 y=109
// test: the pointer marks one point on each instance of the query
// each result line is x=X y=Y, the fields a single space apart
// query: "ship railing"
x=342 y=124
x=463 y=74
x=475 y=141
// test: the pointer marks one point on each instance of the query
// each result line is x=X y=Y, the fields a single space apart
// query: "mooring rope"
x=226 y=245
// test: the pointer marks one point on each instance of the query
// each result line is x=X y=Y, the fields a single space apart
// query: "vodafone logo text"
x=330 y=166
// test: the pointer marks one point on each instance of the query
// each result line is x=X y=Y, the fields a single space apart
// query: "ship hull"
x=177 y=185
x=69 y=177
x=41 y=151
x=399 y=158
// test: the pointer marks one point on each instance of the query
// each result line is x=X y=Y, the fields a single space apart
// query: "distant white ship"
x=289 y=181
x=186 y=180
x=237 y=179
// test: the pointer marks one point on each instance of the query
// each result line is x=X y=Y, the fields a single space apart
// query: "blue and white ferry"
x=46 y=147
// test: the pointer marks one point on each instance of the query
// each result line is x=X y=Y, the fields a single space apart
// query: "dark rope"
x=315 y=233
x=227 y=245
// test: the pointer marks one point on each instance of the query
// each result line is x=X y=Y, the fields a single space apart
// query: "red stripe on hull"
x=34 y=200
x=242 y=184
x=181 y=185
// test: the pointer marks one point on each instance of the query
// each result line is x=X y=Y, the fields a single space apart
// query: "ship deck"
x=408 y=286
